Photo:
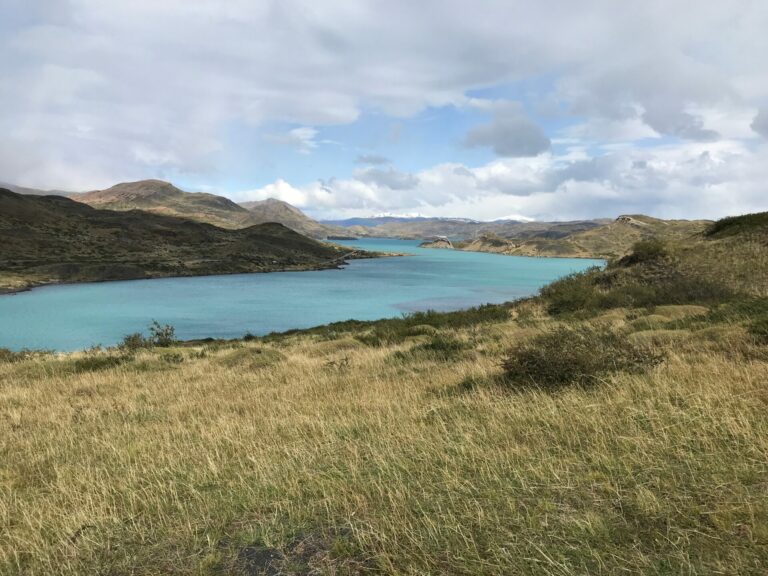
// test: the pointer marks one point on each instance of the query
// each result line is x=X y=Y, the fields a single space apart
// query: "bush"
x=733 y=225
x=7 y=355
x=134 y=342
x=587 y=293
x=643 y=251
x=162 y=336
x=441 y=348
x=95 y=363
x=573 y=293
x=581 y=356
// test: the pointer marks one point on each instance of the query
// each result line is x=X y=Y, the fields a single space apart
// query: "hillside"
x=164 y=198
x=610 y=240
x=614 y=424
x=50 y=239
x=459 y=228
x=273 y=210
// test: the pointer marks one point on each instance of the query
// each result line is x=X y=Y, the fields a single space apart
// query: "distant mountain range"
x=50 y=239
x=603 y=238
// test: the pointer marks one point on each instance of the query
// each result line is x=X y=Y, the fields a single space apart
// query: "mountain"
x=164 y=198
x=610 y=240
x=51 y=239
x=32 y=191
x=273 y=210
x=458 y=228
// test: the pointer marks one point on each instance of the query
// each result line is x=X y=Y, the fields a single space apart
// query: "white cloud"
x=95 y=92
x=686 y=180
x=302 y=139
x=510 y=133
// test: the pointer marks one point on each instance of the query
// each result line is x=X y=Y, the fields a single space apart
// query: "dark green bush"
x=643 y=251
x=134 y=342
x=587 y=293
x=95 y=363
x=162 y=336
x=579 y=355
x=441 y=348
x=737 y=224
x=573 y=293
x=7 y=355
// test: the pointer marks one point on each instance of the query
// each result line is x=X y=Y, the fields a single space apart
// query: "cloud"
x=372 y=159
x=387 y=178
x=302 y=139
x=683 y=180
x=95 y=92
x=510 y=133
x=760 y=123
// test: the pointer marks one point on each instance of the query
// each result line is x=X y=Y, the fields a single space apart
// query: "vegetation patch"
x=251 y=358
x=586 y=294
x=581 y=355
x=439 y=348
x=734 y=225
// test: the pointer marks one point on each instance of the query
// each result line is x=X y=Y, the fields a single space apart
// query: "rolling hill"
x=164 y=198
x=273 y=210
x=458 y=228
x=611 y=240
x=51 y=239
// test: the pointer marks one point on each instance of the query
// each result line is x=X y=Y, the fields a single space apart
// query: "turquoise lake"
x=76 y=316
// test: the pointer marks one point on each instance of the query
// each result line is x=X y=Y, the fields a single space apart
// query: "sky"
x=489 y=109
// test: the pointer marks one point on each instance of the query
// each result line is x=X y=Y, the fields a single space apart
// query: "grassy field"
x=428 y=444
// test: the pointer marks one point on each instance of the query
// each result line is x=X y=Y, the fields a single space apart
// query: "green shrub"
x=162 y=336
x=643 y=251
x=579 y=355
x=132 y=343
x=737 y=224
x=441 y=347
x=8 y=356
x=95 y=363
x=587 y=293
x=573 y=293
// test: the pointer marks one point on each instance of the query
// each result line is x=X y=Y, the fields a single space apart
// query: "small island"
x=438 y=242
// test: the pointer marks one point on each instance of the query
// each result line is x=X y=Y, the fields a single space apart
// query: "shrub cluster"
x=161 y=336
x=586 y=293
x=649 y=250
x=737 y=224
x=396 y=330
x=8 y=356
x=580 y=355
x=441 y=348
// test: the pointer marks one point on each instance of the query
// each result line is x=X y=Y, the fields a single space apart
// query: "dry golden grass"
x=352 y=459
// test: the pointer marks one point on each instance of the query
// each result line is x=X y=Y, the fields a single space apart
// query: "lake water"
x=76 y=316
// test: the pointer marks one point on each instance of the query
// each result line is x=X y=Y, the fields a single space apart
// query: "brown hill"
x=164 y=198
x=273 y=210
x=50 y=239
x=611 y=240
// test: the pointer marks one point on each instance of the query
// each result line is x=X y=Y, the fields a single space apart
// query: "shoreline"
x=336 y=264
